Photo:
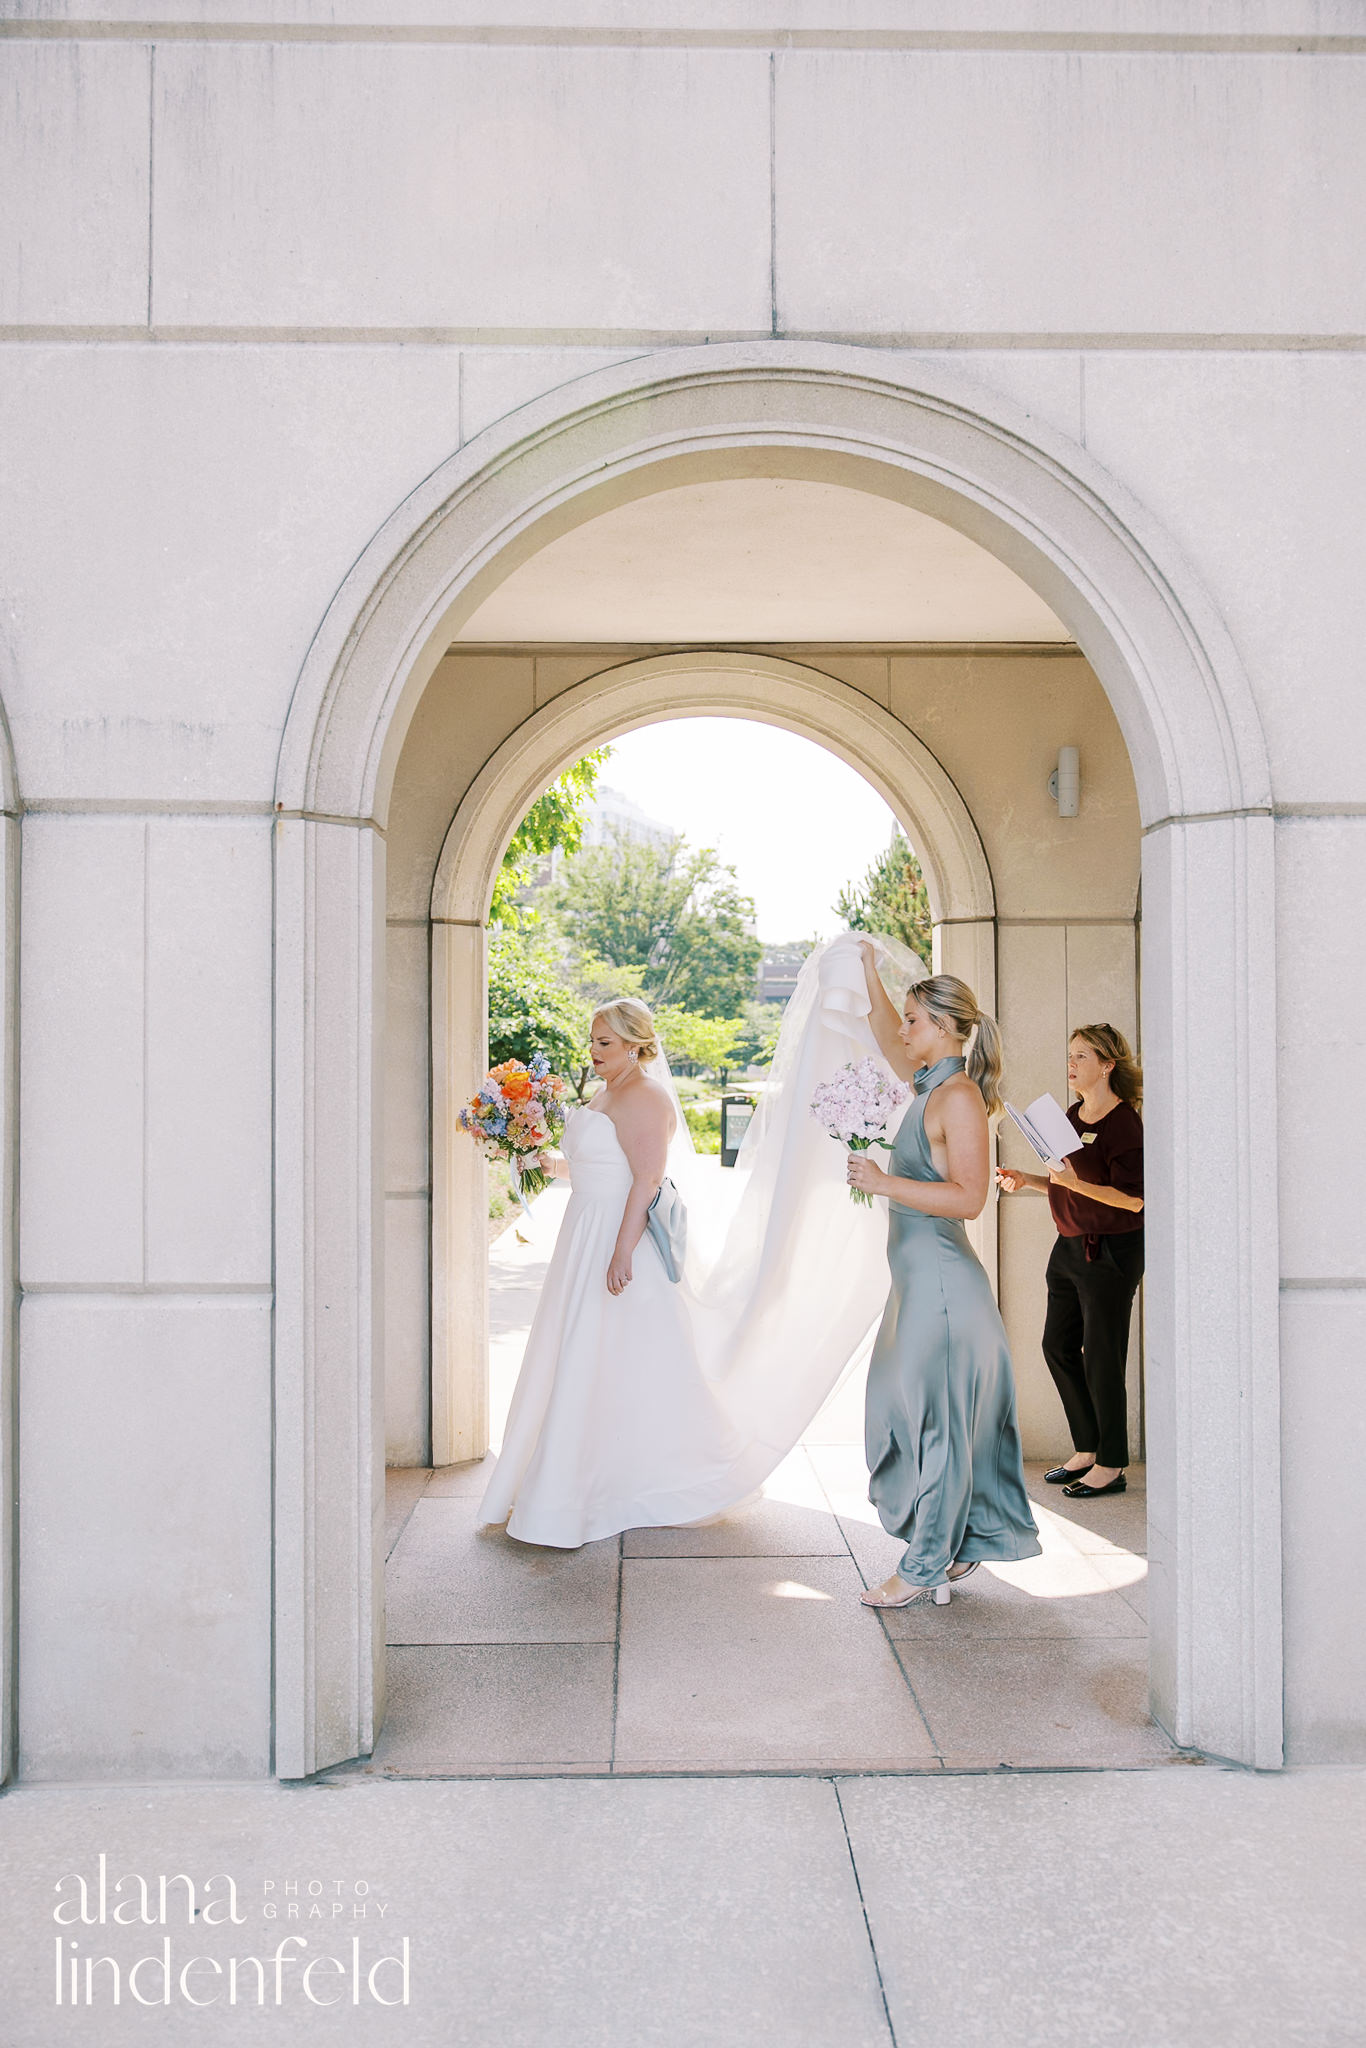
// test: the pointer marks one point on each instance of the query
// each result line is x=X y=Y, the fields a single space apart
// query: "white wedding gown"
x=613 y=1424
x=671 y=1402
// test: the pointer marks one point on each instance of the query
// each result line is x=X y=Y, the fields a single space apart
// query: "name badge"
x=1088 y=1137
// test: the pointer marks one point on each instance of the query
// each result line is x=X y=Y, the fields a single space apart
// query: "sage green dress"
x=942 y=1437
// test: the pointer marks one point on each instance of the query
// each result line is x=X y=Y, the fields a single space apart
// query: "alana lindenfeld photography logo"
x=314 y=1940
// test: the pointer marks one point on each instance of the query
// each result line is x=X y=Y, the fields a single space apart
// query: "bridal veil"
x=784 y=1305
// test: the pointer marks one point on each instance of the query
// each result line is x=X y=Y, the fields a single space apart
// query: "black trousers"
x=1086 y=1338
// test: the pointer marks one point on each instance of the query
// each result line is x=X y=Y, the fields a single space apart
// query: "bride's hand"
x=864 y=1174
x=619 y=1273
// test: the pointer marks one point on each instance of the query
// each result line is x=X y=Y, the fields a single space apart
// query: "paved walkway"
x=742 y=1647
x=694 y=1797
x=1180 y=1908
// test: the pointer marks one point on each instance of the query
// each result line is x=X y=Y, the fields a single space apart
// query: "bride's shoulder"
x=647 y=1106
x=652 y=1096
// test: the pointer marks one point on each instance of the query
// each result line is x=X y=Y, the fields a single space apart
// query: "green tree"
x=676 y=914
x=531 y=1009
x=712 y=961
x=598 y=981
x=620 y=904
x=555 y=822
x=891 y=898
x=763 y=1022
x=707 y=1042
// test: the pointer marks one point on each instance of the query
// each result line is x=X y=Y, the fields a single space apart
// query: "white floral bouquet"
x=854 y=1107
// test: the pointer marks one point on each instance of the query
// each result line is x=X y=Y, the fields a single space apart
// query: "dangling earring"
x=633 y=1052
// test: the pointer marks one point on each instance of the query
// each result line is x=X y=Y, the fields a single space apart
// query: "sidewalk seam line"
x=900 y=1662
x=863 y=1908
x=887 y=1636
x=616 y=1650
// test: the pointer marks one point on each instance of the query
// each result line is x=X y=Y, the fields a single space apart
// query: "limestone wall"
x=262 y=269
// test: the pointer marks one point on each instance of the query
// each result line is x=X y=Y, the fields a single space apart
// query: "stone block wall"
x=256 y=283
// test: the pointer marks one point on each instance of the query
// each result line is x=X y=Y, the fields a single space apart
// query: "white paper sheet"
x=1046 y=1127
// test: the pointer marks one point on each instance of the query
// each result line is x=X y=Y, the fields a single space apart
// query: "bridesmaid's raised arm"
x=884 y=1018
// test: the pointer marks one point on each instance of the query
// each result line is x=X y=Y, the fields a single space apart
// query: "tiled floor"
x=742 y=1647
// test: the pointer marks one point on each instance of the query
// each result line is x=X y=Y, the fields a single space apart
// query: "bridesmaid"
x=943 y=1443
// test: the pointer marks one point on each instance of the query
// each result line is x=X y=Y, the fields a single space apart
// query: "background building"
x=613 y=816
x=778 y=971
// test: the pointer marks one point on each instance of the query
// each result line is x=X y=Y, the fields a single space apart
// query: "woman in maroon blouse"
x=1096 y=1196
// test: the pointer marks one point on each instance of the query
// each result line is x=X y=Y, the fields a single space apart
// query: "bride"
x=613 y=1424
x=646 y=1403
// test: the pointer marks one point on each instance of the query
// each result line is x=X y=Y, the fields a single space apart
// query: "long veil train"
x=678 y=1402
x=787 y=1301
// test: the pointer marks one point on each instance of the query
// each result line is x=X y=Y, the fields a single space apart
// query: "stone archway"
x=11 y=812
x=902 y=770
x=923 y=435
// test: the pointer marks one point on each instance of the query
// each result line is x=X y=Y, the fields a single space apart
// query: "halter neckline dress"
x=942 y=1439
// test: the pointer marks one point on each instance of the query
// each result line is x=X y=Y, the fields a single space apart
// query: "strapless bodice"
x=597 y=1164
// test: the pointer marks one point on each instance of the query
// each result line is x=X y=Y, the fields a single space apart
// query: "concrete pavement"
x=1178 y=1905
x=678 y=1790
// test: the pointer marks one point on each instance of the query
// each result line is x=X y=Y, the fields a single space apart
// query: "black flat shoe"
x=1061 y=1475
x=1081 y=1492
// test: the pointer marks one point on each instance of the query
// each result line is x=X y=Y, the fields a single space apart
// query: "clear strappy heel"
x=912 y=1596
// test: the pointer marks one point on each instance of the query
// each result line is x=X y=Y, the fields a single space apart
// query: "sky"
x=794 y=822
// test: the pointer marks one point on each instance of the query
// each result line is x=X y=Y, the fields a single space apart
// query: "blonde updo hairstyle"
x=952 y=1003
x=633 y=1024
x=1108 y=1043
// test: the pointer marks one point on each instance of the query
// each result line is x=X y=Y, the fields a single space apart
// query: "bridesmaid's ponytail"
x=950 y=1001
x=984 y=1062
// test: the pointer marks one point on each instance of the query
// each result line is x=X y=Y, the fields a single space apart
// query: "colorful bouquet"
x=855 y=1106
x=518 y=1110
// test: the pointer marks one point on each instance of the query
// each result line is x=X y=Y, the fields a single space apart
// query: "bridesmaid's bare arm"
x=885 y=1019
x=957 y=1120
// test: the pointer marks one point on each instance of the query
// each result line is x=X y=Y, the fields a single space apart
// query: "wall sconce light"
x=1064 y=784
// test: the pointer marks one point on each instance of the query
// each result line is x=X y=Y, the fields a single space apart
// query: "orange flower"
x=517 y=1086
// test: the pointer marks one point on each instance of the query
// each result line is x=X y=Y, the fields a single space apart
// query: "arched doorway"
x=1175 y=685
x=802 y=699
